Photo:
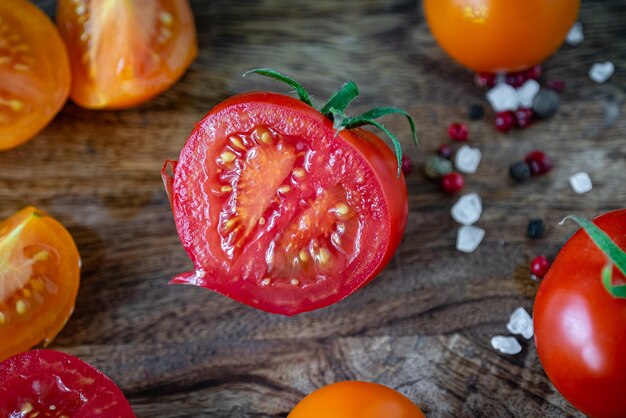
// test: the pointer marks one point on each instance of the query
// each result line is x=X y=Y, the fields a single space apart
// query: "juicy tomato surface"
x=580 y=328
x=277 y=212
x=500 y=35
x=51 y=384
x=123 y=53
x=354 y=399
x=34 y=72
x=39 y=278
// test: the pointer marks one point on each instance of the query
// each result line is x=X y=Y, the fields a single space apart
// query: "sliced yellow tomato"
x=34 y=72
x=124 y=52
x=39 y=278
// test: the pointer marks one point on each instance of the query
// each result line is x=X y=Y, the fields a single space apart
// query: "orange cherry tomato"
x=500 y=35
x=34 y=72
x=124 y=53
x=354 y=399
x=39 y=277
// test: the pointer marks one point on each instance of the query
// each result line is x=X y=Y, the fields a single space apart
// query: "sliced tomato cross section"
x=34 y=72
x=52 y=384
x=280 y=211
x=126 y=52
x=39 y=278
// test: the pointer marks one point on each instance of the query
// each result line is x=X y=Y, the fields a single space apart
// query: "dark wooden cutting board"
x=424 y=326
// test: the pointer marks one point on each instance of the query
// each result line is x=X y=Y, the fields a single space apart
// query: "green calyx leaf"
x=268 y=72
x=338 y=103
x=614 y=253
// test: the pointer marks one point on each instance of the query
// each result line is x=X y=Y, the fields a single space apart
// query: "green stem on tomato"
x=615 y=254
x=335 y=108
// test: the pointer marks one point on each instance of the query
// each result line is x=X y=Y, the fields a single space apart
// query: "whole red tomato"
x=354 y=399
x=281 y=208
x=500 y=35
x=580 y=328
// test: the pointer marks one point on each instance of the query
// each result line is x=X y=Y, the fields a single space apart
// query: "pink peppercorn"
x=539 y=162
x=556 y=85
x=407 y=165
x=452 y=182
x=504 y=121
x=539 y=266
x=516 y=79
x=523 y=116
x=485 y=79
x=534 y=72
x=445 y=151
x=458 y=132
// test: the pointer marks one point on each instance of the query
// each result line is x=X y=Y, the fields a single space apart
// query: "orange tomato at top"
x=500 y=35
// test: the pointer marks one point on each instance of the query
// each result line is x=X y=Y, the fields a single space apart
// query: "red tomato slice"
x=34 y=72
x=123 y=53
x=46 y=383
x=278 y=212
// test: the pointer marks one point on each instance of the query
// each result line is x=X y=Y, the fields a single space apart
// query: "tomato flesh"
x=34 y=72
x=277 y=212
x=47 y=384
x=579 y=326
x=123 y=53
x=39 y=278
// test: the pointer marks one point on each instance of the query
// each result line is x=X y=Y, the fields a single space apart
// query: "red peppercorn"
x=452 y=182
x=539 y=266
x=516 y=79
x=445 y=151
x=524 y=116
x=504 y=121
x=534 y=72
x=485 y=79
x=407 y=165
x=458 y=132
x=539 y=162
x=556 y=85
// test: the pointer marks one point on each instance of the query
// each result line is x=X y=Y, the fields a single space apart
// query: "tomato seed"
x=342 y=209
x=227 y=157
x=3 y=318
x=20 y=307
x=304 y=256
x=265 y=282
x=324 y=255
x=295 y=282
x=299 y=173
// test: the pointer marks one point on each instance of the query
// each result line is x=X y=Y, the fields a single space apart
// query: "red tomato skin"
x=580 y=329
x=372 y=149
x=101 y=397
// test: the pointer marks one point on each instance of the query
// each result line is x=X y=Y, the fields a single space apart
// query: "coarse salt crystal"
x=521 y=323
x=467 y=209
x=467 y=159
x=503 y=97
x=575 y=34
x=527 y=93
x=581 y=182
x=468 y=238
x=601 y=71
x=506 y=345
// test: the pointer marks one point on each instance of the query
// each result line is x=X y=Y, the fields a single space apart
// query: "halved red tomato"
x=39 y=277
x=34 y=72
x=279 y=209
x=46 y=383
x=123 y=53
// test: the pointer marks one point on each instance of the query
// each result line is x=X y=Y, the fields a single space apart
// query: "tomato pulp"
x=34 y=72
x=39 y=278
x=579 y=326
x=279 y=211
x=123 y=53
x=46 y=383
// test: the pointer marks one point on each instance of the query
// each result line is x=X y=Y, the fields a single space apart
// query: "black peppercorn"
x=520 y=171
x=535 y=230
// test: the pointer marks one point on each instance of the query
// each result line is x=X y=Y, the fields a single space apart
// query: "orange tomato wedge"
x=39 y=278
x=125 y=52
x=34 y=72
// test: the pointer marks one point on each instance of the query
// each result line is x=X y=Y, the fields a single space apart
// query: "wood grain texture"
x=424 y=325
